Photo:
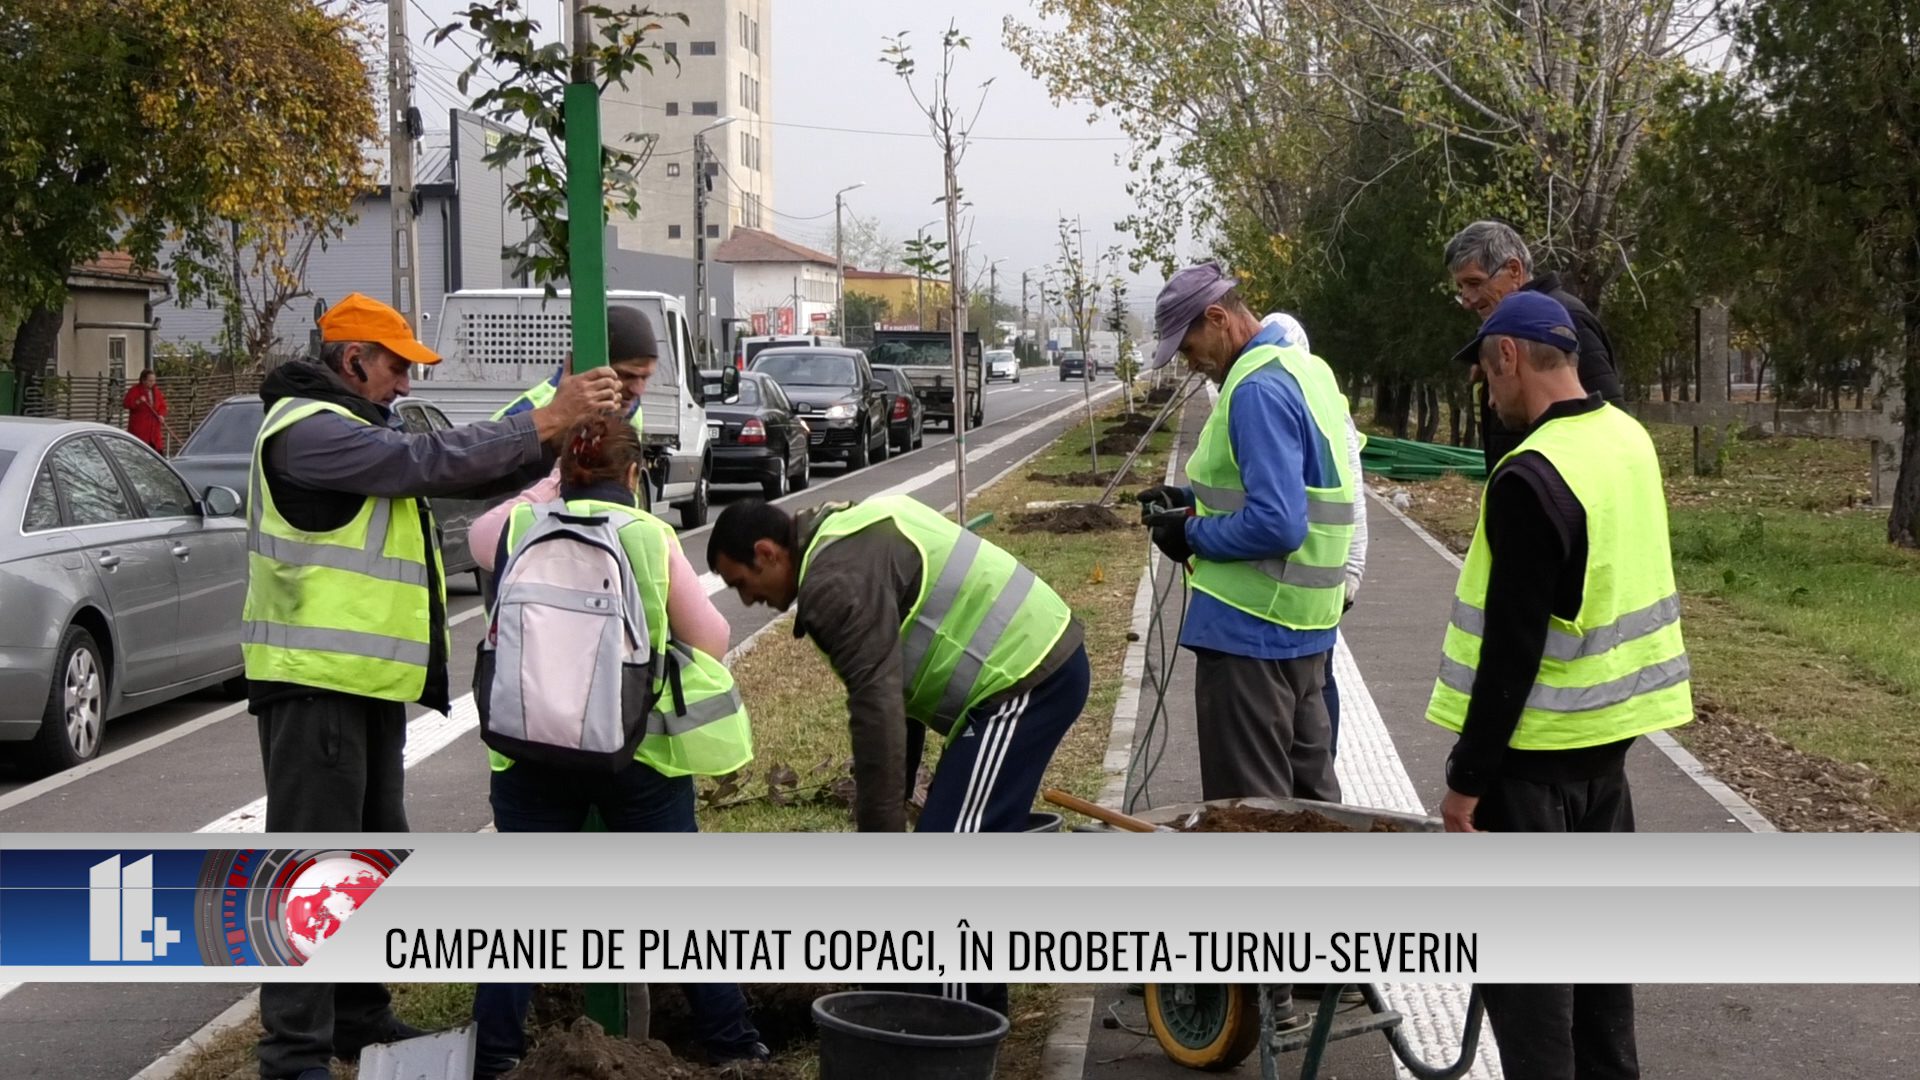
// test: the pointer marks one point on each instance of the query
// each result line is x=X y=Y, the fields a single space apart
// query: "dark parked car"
x=906 y=414
x=757 y=438
x=835 y=392
x=220 y=451
x=122 y=587
x=1073 y=365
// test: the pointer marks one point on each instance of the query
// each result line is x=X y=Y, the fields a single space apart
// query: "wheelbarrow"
x=1213 y=1027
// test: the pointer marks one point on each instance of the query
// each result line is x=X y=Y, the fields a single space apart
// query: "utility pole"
x=701 y=185
x=840 y=265
x=993 y=296
x=402 y=129
x=920 y=281
x=1024 y=329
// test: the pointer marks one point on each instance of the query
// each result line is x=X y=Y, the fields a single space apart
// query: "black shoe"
x=315 y=1074
x=757 y=1052
x=395 y=1030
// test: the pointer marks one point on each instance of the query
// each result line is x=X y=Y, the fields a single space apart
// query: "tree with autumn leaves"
x=166 y=129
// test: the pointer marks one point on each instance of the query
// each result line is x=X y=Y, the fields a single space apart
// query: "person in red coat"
x=146 y=411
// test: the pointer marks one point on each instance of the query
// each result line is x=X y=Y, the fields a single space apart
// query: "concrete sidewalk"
x=1390 y=756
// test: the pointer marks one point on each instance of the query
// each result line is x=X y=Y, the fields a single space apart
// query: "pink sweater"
x=691 y=616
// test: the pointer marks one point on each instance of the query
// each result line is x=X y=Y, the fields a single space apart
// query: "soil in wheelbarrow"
x=1079 y=518
x=1254 y=819
x=584 y=1052
x=1134 y=479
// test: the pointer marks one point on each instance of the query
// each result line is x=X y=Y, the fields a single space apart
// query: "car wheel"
x=861 y=454
x=805 y=476
x=693 y=512
x=777 y=485
x=76 y=712
x=886 y=446
x=919 y=435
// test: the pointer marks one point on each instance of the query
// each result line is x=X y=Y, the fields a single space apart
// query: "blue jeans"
x=535 y=798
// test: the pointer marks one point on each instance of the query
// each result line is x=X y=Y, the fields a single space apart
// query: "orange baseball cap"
x=360 y=317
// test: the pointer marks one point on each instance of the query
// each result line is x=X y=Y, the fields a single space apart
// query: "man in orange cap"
x=345 y=622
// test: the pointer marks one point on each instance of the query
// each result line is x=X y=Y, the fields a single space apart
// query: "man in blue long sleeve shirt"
x=1263 y=725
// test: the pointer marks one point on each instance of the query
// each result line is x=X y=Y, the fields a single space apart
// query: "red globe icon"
x=323 y=897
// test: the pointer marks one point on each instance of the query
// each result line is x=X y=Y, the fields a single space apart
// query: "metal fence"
x=97 y=398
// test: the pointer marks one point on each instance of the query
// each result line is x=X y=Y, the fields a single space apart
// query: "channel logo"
x=121 y=924
x=257 y=907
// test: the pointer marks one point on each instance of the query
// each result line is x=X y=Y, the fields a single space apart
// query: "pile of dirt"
x=1254 y=819
x=1134 y=424
x=1119 y=445
x=585 y=1052
x=782 y=1012
x=1079 y=518
x=1797 y=791
x=1160 y=395
x=1087 y=478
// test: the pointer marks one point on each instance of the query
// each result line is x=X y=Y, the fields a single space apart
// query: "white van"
x=495 y=343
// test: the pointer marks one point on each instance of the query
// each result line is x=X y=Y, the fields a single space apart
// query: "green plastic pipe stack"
x=1406 y=459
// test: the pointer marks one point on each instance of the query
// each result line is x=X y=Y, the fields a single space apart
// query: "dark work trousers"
x=535 y=798
x=333 y=764
x=1263 y=726
x=1332 y=694
x=987 y=778
x=1561 y=1032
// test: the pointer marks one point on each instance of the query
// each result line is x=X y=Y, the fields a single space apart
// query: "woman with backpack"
x=634 y=767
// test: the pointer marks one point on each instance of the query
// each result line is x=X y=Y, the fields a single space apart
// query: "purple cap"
x=1185 y=298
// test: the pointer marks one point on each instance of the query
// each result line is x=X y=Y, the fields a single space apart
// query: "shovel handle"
x=1097 y=812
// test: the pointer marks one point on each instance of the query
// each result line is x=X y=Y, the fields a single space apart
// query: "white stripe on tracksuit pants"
x=987 y=779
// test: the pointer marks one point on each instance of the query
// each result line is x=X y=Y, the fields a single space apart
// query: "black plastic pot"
x=865 y=1034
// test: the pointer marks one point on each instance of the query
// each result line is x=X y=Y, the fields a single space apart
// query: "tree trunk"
x=1903 y=523
x=1429 y=406
x=35 y=343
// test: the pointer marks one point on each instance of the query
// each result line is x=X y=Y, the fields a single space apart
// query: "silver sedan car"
x=122 y=587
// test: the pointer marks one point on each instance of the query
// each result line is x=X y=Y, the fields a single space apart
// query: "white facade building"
x=717 y=66
x=779 y=287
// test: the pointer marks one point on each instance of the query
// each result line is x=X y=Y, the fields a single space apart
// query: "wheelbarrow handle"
x=1097 y=812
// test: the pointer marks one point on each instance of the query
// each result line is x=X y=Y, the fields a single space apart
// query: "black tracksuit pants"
x=333 y=764
x=1561 y=1032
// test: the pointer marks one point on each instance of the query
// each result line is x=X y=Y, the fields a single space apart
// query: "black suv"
x=836 y=393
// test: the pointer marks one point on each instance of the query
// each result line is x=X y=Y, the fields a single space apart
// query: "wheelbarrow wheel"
x=1206 y=1026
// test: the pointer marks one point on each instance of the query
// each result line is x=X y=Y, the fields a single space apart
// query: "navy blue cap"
x=1530 y=316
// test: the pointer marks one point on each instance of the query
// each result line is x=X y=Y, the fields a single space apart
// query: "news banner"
x=598 y=907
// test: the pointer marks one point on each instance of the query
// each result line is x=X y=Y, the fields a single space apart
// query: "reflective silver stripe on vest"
x=1561 y=645
x=1224 y=500
x=1325 y=512
x=986 y=636
x=1575 y=699
x=940 y=600
x=1299 y=575
x=350 y=642
x=367 y=560
x=1319 y=511
x=698 y=715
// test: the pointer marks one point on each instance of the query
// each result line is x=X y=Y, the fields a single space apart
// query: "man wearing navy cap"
x=1564 y=646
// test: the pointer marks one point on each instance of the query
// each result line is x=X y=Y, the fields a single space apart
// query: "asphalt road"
x=194 y=763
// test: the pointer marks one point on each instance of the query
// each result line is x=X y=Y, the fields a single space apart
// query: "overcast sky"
x=1031 y=162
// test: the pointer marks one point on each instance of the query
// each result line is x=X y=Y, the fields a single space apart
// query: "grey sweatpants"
x=1263 y=726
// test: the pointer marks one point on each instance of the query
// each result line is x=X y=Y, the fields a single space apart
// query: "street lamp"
x=700 y=186
x=840 y=264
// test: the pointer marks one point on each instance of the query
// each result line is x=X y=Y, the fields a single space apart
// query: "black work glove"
x=1171 y=539
x=1166 y=495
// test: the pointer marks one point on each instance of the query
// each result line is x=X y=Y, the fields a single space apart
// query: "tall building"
x=717 y=66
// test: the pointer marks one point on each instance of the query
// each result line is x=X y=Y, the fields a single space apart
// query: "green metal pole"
x=587 y=274
x=586 y=227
